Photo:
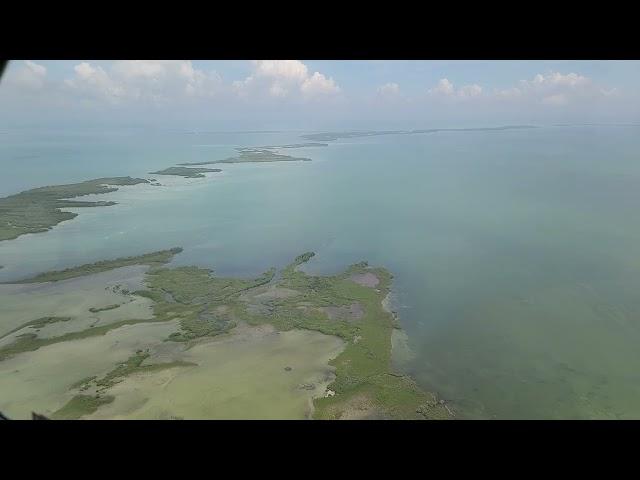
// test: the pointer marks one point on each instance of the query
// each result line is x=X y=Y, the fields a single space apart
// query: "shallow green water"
x=516 y=253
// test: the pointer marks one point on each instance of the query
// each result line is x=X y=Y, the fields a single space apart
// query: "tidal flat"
x=290 y=345
x=250 y=373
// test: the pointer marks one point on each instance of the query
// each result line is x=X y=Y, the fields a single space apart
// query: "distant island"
x=330 y=136
x=186 y=172
x=297 y=145
x=39 y=209
x=253 y=155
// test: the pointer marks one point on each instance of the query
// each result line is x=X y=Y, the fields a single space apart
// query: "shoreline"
x=191 y=308
x=363 y=384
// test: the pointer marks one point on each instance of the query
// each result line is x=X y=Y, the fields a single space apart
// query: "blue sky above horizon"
x=317 y=94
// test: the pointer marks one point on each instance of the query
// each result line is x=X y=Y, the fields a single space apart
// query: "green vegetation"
x=186 y=172
x=83 y=383
x=81 y=405
x=297 y=145
x=134 y=365
x=330 y=136
x=39 y=209
x=254 y=155
x=29 y=342
x=363 y=370
x=104 y=309
x=152 y=259
x=38 y=323
x=205 y=305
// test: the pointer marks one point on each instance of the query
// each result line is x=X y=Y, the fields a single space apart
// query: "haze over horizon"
x=315 y=95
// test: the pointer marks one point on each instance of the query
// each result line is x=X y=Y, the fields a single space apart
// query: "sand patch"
x=74 y=298
x=40 y=381
x=365 y=279
x=253 y=372
x=401 y=352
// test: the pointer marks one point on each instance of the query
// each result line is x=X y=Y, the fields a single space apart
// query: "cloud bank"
x=288 y=93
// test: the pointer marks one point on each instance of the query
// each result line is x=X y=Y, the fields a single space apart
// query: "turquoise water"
x=516 y=253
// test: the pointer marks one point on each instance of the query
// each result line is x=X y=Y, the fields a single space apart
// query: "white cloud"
x=158 y=81
x=278 y=90
x=283 y=78
x=318 y=84
x=289 y=70
x=30 y=76
x=389 y=89
x=95 y=81
x=152 y=69
x=470 y=91
x=445 y=88
x=557 y=79
x=39 y=70
x=557 y=89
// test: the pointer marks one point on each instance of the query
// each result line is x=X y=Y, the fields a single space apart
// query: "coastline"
x=363 y=384
x=191 y=309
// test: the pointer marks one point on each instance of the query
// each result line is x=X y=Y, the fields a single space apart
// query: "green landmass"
x=297 y=145
x=134 y=365
x=253 y=155
x=194 y=296
x=39 y=209
x=151 y=259
x=29 y=342
x=205 y=305
x=83 y=383
x=186 y=172
x=38 y=323
x=81 y=405
x=330 y=136
x=104 y=309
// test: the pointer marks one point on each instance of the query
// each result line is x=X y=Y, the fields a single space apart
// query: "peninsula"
x=39 y=209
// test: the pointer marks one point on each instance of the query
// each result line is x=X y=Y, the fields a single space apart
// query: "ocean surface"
x=516 y=253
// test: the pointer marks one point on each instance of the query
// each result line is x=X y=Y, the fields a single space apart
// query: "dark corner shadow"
x=3 y=64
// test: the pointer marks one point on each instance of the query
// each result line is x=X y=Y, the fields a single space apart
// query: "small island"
x=296 y=145
x=186 y=172
x=253 y=155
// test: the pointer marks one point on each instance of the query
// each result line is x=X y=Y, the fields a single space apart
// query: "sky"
x=315 y=95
